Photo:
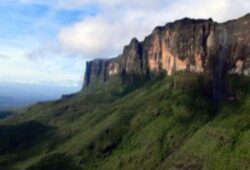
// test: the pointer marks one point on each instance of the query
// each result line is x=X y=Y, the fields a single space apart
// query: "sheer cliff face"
x=187 y=45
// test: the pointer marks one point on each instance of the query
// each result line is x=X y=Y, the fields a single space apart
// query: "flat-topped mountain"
x=185 y=45
x=190 y=111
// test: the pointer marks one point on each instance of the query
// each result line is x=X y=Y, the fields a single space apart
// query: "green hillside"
x=161 y=123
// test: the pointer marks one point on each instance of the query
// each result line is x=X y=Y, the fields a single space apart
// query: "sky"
x=47 y=42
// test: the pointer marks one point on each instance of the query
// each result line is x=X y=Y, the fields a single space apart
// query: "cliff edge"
x=202 y=46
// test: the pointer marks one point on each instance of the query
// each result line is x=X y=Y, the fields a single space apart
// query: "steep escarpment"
x=202 y=46
x=164 y=123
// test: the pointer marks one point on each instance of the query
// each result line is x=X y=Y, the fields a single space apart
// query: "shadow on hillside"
x=6 y=114
x=14 y=138
x=56 y=162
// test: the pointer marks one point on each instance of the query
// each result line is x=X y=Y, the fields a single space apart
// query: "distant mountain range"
x=178 y=100
x=17 y=95
x=6 y=114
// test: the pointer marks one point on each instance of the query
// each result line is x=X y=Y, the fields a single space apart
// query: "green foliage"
x=159 y=123
x=21 y=136
x=55 y=162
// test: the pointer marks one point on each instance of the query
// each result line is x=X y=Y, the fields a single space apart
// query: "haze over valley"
x=124 y=85
x=21 y=95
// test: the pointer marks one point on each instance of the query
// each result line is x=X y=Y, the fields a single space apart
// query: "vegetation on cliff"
x=162 y=123
x=182 y=106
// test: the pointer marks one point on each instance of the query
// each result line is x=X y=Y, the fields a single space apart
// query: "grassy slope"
x=165 y=123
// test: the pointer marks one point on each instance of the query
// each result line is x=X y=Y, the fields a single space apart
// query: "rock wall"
x=188 y=45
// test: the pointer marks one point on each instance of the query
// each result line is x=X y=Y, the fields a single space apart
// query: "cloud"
x=77 y=4
x=52 y=42
x=4 y=57
x=104 y=34
x=90 y=37
x=48 y=70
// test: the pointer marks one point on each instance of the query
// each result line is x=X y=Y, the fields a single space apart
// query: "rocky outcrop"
x=191 y=45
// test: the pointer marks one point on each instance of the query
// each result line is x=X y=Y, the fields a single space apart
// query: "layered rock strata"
x=184 y=45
